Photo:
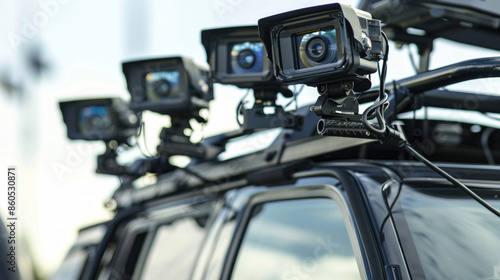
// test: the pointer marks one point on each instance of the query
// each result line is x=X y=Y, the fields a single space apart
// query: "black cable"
x=452 y=180
x=378 y=107
x=388 y=207
x=390 y=216
x=383 y=75
x=142 y=130
x=240 y=105
x=376 y=110
x=485 y=136
x=137 y=136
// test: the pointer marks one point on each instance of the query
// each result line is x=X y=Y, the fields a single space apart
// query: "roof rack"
x=471 y=22
x=293 y=146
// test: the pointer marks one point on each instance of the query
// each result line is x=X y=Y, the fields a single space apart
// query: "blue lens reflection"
x=163 y=84
x=246 y=58
x=95 y=118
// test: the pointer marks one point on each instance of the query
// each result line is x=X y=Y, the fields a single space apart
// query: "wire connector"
x=394 y=137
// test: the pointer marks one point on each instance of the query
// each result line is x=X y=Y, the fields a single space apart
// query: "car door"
x=162 y=242
x=300 y=231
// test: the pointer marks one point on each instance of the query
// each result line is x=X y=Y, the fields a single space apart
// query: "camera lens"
x=162 y=88
x=316 y=49
x=246 y=58
x=98 y=123
x=94 y=118
x=163 y=84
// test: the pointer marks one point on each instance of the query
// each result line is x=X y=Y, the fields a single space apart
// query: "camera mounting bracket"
x=255 y=118
x=107 y=164
x=174 y=141
x=338 y=108
x=339 y=111
x=336 y=100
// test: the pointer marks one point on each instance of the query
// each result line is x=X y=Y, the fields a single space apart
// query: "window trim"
x=131 y=230
x=148 y=221
x=205 y=256
x=145 y=253
x=282 y=194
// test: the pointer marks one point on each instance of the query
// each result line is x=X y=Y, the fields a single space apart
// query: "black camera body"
x=237 y=56
x=103 y=119
x=323 y=44
x=171 y=86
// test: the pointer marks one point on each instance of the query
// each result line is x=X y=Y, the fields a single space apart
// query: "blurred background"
x=58 y=50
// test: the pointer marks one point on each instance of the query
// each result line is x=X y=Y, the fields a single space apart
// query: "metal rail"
x=459 y=72
x=284 y=150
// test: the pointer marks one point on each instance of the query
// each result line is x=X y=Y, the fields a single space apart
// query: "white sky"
x=84 y=43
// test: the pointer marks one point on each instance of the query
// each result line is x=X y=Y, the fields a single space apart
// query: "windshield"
x=447 y=235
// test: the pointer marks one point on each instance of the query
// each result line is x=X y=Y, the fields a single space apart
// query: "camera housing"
x=237 y=56
x=104 y=119
x=171 y=86
x=323 y=44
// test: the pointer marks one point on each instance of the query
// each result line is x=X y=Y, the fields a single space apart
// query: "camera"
x=324 y=44
x=171 y=86
x=237 y=56
x=112 y=121
x=334 y=48
x=104 y=119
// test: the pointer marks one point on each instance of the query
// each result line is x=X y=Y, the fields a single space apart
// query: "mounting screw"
x=322 y=89
x=348 y=85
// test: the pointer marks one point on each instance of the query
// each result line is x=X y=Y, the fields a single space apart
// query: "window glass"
x=133 y=255
x=216 y=263
x=106 y=261
x=174 y=250
x=72 y=266
x=296 y=239
x=448 y=235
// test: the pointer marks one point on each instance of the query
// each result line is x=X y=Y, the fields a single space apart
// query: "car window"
x=174 y=250
x=72 y=266
x=216 y=263
x=448 y=235
x=296 y=239
x=134 y=253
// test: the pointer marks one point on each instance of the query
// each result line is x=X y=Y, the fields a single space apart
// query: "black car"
x=357 y=220
x=315 y=207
